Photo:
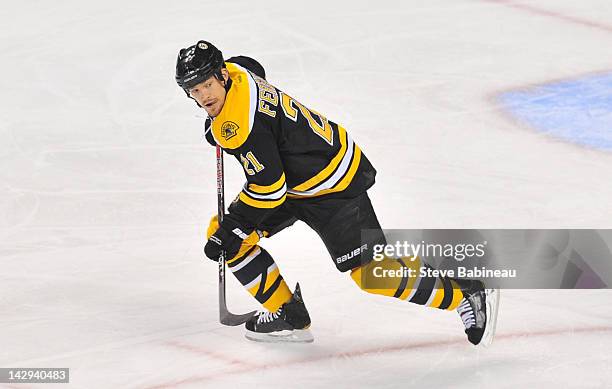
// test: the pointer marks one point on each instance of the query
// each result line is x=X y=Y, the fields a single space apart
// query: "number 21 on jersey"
x=251 y=164
x=268 y=97
x=317 y=122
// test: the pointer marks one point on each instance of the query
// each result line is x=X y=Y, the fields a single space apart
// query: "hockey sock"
x=256 y=270
x=254 y=267
x=401 y=278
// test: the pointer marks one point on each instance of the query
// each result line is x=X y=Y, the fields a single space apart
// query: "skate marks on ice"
x=575 y=107
x=239 y=366
x=550 y=13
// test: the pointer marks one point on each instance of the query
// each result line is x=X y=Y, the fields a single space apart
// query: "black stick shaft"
x=220 y=213
x=220 y=185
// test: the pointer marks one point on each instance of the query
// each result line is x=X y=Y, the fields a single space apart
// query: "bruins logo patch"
x=229 y=130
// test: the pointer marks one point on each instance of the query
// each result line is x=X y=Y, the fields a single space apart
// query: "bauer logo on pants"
x=352 y=254
x=229 y=130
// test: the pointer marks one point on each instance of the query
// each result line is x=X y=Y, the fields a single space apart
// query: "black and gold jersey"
x=286 y=149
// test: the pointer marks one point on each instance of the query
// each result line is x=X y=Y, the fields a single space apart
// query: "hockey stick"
x=225 y=316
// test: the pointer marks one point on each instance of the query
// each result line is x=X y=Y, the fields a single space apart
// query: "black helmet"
x=197 y=63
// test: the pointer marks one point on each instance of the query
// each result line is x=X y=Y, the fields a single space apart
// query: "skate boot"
x=289 y=324
x=478 y=311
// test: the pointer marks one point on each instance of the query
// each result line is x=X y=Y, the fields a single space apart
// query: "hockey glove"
x=228 y=238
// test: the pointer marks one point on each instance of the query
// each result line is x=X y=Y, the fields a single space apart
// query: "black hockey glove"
x=228 y=238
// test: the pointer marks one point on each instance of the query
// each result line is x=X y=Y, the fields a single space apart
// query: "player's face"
x=210 y=94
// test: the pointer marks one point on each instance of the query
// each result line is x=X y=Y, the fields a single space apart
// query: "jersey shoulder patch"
x=232 y=126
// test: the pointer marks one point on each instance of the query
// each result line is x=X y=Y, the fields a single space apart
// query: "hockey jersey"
x=286 y=149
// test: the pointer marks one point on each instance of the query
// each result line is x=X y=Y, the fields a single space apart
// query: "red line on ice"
x=242 y=367
x=211 y=354
x=554 y=14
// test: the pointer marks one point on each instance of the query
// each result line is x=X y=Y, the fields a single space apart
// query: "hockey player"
x=299 y=165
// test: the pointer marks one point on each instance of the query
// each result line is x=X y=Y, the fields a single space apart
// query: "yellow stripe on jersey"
x=266 y=204
x=232 y=126
x=265 y=189
x=329 y=169
x=343 y=184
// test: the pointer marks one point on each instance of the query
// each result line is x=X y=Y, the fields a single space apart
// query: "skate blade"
x=295 y=336
x=492 y=311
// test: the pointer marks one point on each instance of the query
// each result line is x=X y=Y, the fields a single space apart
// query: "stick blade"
x=229 y=319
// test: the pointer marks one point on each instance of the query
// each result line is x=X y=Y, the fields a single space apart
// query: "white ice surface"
x=106 y=190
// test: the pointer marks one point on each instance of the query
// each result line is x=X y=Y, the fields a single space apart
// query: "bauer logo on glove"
x=228 y=237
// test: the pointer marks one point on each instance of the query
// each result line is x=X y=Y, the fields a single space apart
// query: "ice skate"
x=478 y=311
x=290 y=324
